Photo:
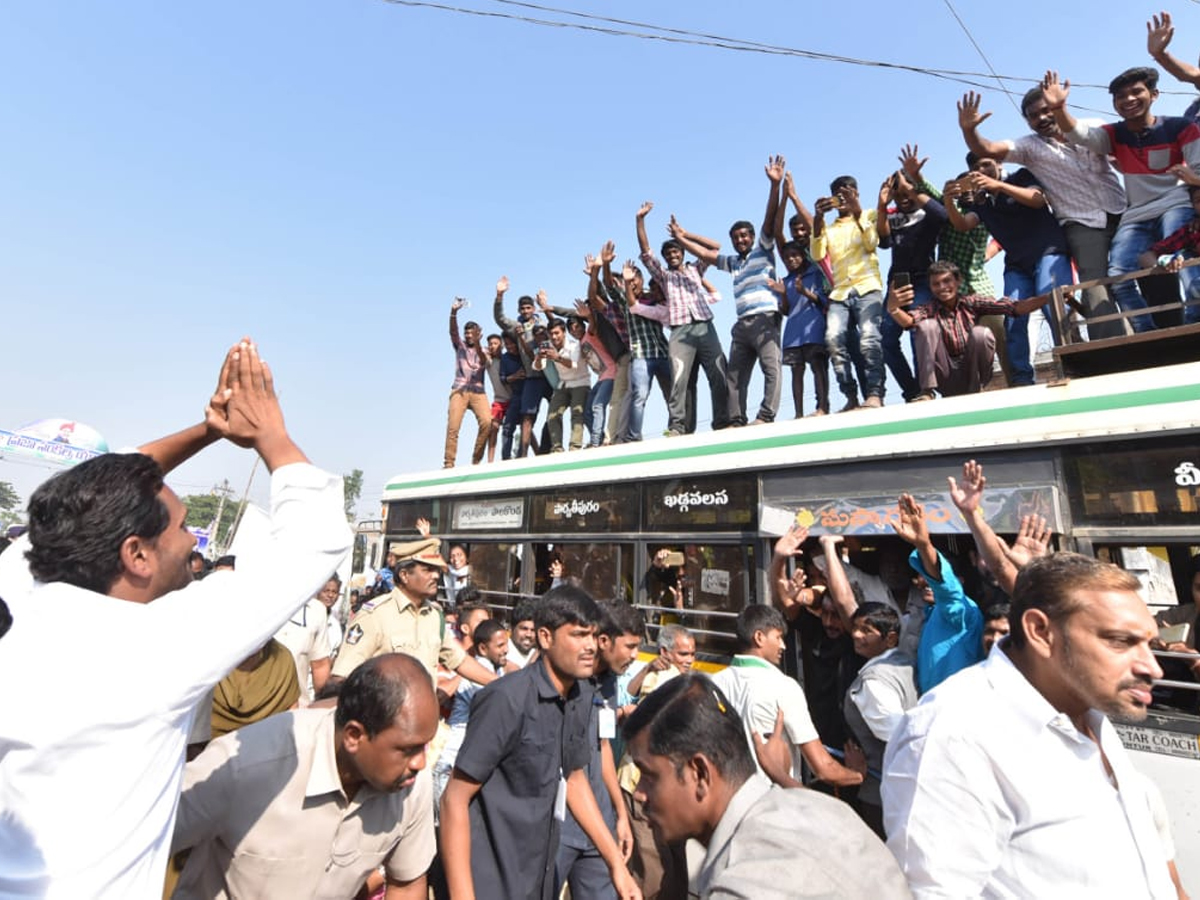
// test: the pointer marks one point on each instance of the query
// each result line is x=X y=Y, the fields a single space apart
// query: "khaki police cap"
x=422 y=551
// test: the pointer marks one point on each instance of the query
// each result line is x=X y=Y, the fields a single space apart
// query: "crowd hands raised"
x=1087 y=200
x=561 y=761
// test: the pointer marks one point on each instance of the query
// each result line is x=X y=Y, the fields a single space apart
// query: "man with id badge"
x=523 y=764
x=579 y=863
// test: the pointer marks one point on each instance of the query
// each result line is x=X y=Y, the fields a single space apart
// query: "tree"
x=10 y=503
x=352 y=484
x=202 y=509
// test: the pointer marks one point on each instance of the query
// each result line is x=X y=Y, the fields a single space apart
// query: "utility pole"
x=223 y=490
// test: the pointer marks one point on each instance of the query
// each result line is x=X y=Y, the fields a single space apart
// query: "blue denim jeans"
x=893 y=356
x=1052 y=269
x=1133 y=239
x=512 y=420
x=862 y=314
x=595 y=410
x=641 y=373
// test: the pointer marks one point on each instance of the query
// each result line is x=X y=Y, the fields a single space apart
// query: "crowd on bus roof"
x=1085 y=199
x=228 y=736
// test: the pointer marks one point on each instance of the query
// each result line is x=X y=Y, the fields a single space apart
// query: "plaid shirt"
x=1185 y=238
x=956 y=323
x=687 y=300
x=646 y=340
x=966 y=249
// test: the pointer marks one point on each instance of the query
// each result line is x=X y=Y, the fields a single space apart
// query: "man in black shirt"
x=523 y=764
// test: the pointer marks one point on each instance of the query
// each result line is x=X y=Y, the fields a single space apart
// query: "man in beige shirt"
x=310 y=803
x=408 y=620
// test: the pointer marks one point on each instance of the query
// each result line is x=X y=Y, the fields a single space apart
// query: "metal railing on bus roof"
x=1061 y=300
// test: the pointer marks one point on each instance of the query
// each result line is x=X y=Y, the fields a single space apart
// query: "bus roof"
x=1109 y=407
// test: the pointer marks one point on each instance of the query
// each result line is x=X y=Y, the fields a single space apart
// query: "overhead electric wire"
x=684 y=36
x=987 y=62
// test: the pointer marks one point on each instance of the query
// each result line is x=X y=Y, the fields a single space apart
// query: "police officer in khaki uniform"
x=408 y=620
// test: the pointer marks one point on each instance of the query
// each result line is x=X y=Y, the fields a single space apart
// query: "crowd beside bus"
x=928 y=742
x=470 y=758
x=1087 y=200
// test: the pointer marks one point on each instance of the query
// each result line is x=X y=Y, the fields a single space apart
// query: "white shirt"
x=757 y=689
x=100 y=694
x=515 y=655
x=306 y=634
x=881 y=707
x=988 y=791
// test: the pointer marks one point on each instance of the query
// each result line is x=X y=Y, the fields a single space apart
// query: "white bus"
x=1111 y=461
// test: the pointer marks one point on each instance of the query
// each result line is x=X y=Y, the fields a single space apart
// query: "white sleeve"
x=196 y=635
x=880 y=706
x=1094 y=137
x=320 y=644
x=797 y=721
x=944 y=812
x=15 y=578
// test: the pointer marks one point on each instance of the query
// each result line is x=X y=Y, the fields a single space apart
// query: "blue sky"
x=327 y=176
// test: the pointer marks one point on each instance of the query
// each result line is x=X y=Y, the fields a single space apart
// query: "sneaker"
x=873 y=402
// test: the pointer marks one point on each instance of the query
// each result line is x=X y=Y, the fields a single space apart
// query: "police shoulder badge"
x=354 y=635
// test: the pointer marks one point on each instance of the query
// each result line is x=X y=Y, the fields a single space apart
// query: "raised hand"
x=590 y=264
x=966 y=496
x=777 y=287
x=969 y=116
x=911 y=162
x=629 y=270
x=253 y=416
x=789 y=186
x=1053 y=92
x=912 y=527
x=608 y=252
x=458 y=304
x=1032 y=542
x=675 y=229
x=583 y=310
x=423 y=526
x=541 y=298
x=644 y=209
x=216 y=413
x=1159 y=31
x=776 y=168
x=502 y=284
x=789 y=543
x=885 y=192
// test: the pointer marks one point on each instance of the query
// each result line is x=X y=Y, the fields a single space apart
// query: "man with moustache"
x=312 y=802
x=1080 y=184
x=762 y=842
x=994 y=782
x=523 y=763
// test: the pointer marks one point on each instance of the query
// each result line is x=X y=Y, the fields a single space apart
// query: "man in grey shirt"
x=1084 y=190
x=698 y=781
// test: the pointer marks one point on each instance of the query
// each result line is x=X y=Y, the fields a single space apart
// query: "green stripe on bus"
x=1148 y=397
